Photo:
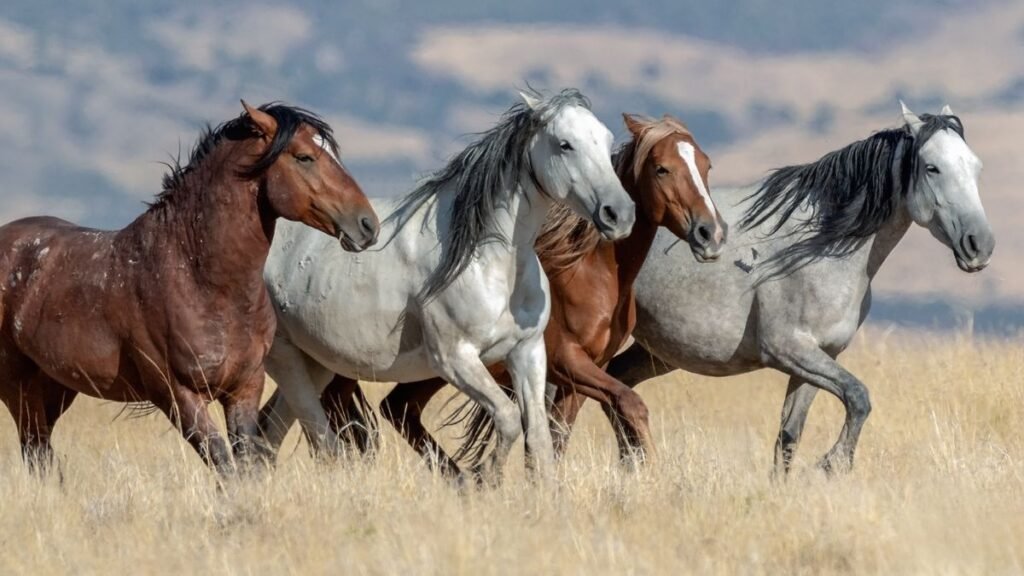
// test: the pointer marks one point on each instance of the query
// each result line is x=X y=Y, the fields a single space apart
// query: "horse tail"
x=479 y=435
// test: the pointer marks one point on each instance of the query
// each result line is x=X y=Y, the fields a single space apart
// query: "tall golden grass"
x=938 y=488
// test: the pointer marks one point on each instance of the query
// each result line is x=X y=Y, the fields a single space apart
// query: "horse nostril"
x=368 y=226
x=969 y=244
x=704 y=234
x=609 y=215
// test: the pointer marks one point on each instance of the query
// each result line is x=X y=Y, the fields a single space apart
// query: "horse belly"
x=83 y=357
x=701 y=335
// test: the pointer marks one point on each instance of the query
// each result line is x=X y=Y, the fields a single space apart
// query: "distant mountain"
x=95 y=94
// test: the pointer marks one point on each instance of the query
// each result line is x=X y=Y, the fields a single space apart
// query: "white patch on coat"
x=689 y=155
x=319 y=140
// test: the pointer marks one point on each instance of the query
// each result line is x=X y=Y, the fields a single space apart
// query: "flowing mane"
x=567 y=237
x=851 y=192
x=289 y=120
x=482 y=174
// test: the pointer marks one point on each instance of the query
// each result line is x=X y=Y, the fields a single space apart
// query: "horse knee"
x=507 y=423
x=632 y=407
x=858 y=401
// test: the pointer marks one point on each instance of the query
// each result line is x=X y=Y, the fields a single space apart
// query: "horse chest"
x=215 y=348
x=502 y=308
x=591 y=308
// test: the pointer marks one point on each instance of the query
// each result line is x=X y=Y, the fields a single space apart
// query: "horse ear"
x=634 y=124
x=912 y=120
x=263 y=121
x=946 y=110
x=532 y=101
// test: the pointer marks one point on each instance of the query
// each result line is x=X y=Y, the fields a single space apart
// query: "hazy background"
x=95 y=94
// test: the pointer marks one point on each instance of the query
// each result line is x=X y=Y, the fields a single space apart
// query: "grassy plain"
x=938 y=488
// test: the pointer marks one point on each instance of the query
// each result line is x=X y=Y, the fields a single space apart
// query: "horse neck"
x=525 y=212
x=631 y=252
x=886 y=239
x=220 y=225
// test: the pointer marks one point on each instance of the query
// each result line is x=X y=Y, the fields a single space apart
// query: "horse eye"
x=931 y=168
x=661 y=170
x=305 y=158
x=566 y=147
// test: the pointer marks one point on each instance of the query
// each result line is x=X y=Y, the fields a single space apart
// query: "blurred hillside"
x=94 y=95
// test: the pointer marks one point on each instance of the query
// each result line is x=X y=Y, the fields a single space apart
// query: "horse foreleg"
x=241 y=410
x=188 y=411
x=403 y=408
x=572 y=368
x=809 y=363
x=564 y=410
x=461 y=365
x=799 y=395
x=527 y=366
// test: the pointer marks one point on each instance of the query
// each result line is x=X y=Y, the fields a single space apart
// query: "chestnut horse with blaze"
x=592 y=305
x=172 y=310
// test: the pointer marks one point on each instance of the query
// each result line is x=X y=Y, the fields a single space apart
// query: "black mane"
x=289 y=120
x=852 y=192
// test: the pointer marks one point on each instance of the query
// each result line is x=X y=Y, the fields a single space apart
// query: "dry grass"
x=938 y=489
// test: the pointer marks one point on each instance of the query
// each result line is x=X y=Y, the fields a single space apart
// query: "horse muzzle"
x=358 y=233
x=973 y=251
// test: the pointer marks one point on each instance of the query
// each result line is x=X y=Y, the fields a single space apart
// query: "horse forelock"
x=654 y=131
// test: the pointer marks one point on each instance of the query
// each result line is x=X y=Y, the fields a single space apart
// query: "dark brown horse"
x=592 y=305
x=171 y=311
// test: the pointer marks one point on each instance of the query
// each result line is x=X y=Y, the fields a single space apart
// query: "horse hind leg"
x=350 y=416
x=300 y=382
x=36 y=403
x=403 y=408
x=799 y=396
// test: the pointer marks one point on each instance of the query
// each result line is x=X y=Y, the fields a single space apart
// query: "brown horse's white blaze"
x=707 y=228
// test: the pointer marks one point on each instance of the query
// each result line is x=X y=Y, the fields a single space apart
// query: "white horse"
x=456 y=287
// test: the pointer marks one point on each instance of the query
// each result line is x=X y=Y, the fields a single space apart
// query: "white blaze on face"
x=689 y=155
x=319 y=141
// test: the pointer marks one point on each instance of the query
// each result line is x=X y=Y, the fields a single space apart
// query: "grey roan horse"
x=794 y=283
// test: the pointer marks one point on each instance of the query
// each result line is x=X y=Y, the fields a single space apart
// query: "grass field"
x=938 y=488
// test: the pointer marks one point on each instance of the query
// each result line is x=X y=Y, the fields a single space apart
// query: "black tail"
x=478 y=439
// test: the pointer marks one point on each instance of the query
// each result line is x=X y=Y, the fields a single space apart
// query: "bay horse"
x=457 y=285
x=794 y=284
x=171 y=311
x=665 y=172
